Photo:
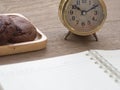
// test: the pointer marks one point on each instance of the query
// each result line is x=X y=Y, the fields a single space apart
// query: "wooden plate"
x=39 y=43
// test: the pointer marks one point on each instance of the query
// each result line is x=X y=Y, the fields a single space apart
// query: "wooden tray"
x=39 y=43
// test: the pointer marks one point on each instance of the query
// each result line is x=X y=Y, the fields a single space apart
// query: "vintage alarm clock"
x=82 y=17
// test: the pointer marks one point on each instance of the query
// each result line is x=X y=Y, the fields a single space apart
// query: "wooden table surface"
x=44 y=15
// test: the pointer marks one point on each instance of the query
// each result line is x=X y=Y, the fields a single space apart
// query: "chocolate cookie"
x=15 y=29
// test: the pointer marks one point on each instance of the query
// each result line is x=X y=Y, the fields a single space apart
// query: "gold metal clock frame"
x=61 y=13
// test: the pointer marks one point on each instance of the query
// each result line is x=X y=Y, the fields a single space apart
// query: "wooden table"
x=44 y=15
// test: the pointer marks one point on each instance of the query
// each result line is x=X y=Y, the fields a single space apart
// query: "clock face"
x=84 y=15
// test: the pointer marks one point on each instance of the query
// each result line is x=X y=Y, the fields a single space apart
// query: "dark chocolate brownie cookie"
x=15 y=29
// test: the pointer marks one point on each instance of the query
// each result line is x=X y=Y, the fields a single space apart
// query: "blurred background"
x=44 y=15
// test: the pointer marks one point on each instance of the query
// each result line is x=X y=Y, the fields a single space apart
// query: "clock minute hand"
x=92 y=8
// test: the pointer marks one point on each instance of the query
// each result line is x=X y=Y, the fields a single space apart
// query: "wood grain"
x=44 y=15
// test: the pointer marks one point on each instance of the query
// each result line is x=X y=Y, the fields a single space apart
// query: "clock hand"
x=78 y=8
x=92 y=8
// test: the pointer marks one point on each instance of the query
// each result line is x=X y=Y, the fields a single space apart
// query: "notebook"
x=88 y=70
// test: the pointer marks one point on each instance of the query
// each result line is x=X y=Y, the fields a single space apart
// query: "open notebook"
x=89 y=70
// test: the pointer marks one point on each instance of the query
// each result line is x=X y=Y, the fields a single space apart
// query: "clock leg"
x=95 y=35
x=67 y=35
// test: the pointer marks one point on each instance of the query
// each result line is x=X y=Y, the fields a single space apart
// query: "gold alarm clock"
x=82 y=17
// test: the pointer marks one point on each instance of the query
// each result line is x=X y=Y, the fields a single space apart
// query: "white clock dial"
x=83 y=15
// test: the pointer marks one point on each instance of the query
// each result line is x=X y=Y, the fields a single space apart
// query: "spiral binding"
x=104 y=64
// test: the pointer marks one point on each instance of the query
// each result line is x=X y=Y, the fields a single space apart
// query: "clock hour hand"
x=76 y=7
x=92 y=8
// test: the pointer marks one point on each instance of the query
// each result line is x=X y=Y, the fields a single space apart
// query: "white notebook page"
x=70 y=72
x=112 y=56
x=110 y=61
